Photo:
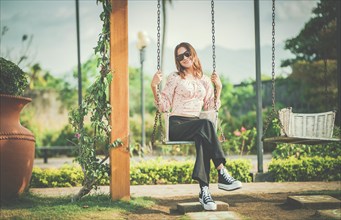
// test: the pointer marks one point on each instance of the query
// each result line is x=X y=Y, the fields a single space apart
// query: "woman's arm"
x=167 y=94
x=217 y=83
x=155 y=82
x=209 y=102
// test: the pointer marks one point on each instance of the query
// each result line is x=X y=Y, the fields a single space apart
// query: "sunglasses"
x=183 y=55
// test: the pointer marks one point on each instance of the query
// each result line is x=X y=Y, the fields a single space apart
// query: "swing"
x=298 y=128
x=211 y=115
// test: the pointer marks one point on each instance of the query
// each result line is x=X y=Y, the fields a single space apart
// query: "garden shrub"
x=240 y=141
x=306 y=169
x=283 y=151
x=172 y=172
x=66 y=176
x=148 y=172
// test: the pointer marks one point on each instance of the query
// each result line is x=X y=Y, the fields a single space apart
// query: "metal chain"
x=213 y=52
x=154 y=127
x=222 y=137
x=273 y=114
x=158 y=33
x=213 y=35
x=273 y=86
x=158 y=114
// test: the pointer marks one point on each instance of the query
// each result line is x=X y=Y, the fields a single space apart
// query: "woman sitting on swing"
x=186 y=93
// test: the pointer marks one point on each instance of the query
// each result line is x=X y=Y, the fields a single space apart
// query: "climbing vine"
x=97 y=108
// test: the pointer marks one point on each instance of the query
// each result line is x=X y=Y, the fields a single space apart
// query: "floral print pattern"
x=187 y=97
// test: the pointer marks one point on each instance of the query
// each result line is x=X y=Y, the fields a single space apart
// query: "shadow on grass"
x=35 y=206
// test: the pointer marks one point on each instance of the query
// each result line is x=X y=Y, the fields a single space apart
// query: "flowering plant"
x=240 y=140
x=97 y=108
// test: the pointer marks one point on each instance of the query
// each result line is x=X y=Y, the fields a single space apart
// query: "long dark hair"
x=194 y=57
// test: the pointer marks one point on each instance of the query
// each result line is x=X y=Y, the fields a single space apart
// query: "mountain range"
x=235 y=65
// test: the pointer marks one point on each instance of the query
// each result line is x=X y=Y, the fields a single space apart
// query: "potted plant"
x=17 y=143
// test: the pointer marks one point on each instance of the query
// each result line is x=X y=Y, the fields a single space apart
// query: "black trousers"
x=207 y=145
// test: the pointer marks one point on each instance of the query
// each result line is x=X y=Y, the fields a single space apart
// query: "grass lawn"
x=32 y=206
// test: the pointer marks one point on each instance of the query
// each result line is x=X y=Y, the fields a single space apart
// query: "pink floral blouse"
x=187 y=97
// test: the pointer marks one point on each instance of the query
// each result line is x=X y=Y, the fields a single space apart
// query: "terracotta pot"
x=17 y=147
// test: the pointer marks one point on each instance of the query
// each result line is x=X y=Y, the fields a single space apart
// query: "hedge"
x=148 y=172
x=306 y=169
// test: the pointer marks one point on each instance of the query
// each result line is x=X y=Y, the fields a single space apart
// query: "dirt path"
x=252 y=206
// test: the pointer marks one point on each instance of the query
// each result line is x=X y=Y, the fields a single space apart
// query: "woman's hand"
x=156 y=79
x=216 y=81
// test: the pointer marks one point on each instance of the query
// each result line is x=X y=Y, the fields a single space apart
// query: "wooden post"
x=119 y=99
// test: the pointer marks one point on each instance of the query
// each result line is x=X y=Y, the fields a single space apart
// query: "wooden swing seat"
x=211 y=115
x=305 y=128
x=300 y=140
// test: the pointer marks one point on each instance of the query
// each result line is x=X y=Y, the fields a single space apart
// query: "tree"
x=318 y=39
x=315 y=49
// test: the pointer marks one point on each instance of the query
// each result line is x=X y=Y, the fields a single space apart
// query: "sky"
x=52 y=23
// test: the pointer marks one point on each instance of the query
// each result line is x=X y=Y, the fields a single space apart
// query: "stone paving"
x=174 y=190
x=220 y=215
x=314 y=201
x=329 y=214
x=197 y=207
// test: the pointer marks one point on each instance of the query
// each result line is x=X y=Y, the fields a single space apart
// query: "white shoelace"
x=206 y=196
x=226 y=175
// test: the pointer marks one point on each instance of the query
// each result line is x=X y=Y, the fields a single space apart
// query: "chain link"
x=273 y=114
x=158 y=33
x=213 y=35
x=158 y=114
x=213 y=52
x=222 y=137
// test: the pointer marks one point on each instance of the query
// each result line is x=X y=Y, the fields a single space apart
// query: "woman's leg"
x=208 y=147
x=202 y=131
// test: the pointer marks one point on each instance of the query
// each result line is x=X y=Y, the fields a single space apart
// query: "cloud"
x=294 y=10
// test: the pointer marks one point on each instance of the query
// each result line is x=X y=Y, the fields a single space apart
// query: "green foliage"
x=318 y=39
x=89 y=71
x=68 y=96
x=99 y=206
x=316 y=90
x=240 y=141
x=26 y=120
x=284 y=151
x=97 y=107
x=66 y=176
x=231 y=97
x=42 y=80
x=13 y=80
x=135 y=133
x=148 y=172
x=161 y=172
x=306 y=169
x=174 y=172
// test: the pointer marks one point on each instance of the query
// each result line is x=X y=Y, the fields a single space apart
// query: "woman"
x=186 y=93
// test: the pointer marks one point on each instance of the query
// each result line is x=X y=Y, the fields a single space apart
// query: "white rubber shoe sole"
x=211 y=206
x=235 y=185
